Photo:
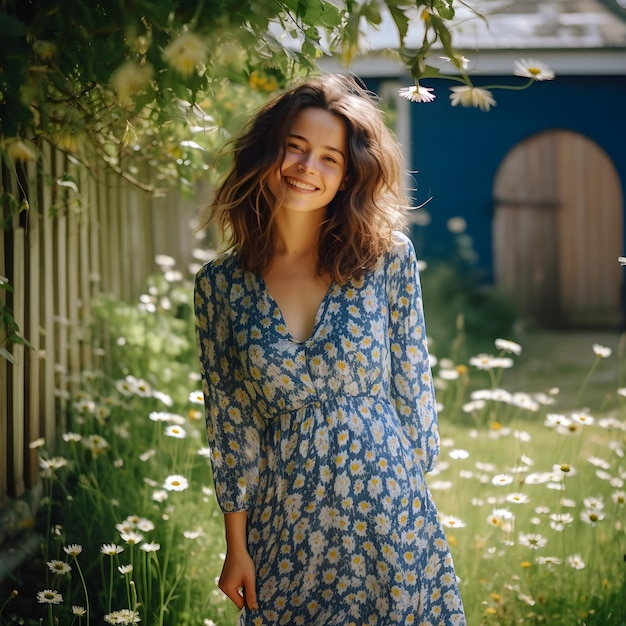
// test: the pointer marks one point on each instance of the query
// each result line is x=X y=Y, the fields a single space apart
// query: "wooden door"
x=558 y=230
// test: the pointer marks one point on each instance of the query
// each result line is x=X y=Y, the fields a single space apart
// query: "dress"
x=325 y=443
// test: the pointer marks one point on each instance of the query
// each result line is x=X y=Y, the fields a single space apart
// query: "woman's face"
x=315 y=162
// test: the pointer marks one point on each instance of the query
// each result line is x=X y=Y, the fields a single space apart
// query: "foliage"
x=124 y=82
x=531 y=496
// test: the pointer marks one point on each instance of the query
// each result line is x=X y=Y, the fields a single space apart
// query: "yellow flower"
x=525 y=564
x=186 y=53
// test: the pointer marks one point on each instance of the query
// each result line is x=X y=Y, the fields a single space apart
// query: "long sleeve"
x=411 y=378
x=234 y=429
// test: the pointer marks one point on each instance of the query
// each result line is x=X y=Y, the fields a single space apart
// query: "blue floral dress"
x=325 y=444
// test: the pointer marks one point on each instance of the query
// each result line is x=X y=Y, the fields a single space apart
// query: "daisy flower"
x=58 y=567
x=531 y=68
x=73 y=549
x=49 y=596
x=175 y=482
x=603 y=352
x=417 y=93
x=150 y=547
x=575 y=561
x=532 y=541
x=508 y=346
x=468 y=96
x=175 y=431
x=78 y=610
x=111 y=549
x=123 y=616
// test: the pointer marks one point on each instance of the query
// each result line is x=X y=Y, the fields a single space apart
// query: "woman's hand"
x=238 y=579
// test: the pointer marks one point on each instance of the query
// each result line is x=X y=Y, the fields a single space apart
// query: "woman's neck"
x=297 y=234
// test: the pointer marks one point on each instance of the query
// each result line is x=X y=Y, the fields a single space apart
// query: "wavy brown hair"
x=361 y=218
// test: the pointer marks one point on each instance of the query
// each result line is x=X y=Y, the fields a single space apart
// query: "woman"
x=320 y=405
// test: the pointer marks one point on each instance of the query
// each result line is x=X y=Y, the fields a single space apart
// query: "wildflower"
x=78 y=610
x=502 y=362
x=619 y=497
x=459 y=454
x=125 y=569
x=192 y=534
x=575 y=561
x=469 y=96
x=603 y=352
x=96 y=443
x=448 y=374
x=592 y=502
x=508 y=346
x=205 y=452
x=160 y=495
x=548 y=560
x=59 y=567
x=73 y=549
x=186 y=53
x=123 y=616
x=147 y=455
x=150 y=547
x=582 y=418
x=482 y=361
x=517 y=498
x=56 y=462
x=37 y=443
x=176 y=432
x=49 y=596
x=531 y=68
x=417 y=93
x=111 y=549
x=165 y=398
x=591 y=517
x=555 y=419
x=175 y=482
x=145 y=525
x=499 y=480
x=131 y=537
x=558 y=521
x=71 y=437
x=499 y=516
x=532 y=541
x=452 y=522
x=196 y=397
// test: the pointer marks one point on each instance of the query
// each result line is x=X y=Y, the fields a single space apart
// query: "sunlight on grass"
x=531 y=495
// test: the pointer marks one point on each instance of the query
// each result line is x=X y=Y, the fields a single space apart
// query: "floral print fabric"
x=325 y=443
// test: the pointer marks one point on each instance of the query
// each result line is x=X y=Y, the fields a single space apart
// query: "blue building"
x=538 y=181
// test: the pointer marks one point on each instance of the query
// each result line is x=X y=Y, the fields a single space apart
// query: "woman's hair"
x=360 y=219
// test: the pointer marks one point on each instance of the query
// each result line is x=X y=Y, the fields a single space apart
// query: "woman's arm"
x=238 y=579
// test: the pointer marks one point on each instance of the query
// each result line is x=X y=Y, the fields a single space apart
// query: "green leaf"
x=400 y=19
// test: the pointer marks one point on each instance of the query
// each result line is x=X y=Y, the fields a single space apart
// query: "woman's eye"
x=294 y=146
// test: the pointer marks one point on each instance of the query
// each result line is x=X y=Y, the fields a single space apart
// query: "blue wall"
x=456 y=151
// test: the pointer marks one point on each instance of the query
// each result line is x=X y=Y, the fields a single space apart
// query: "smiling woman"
x=320 y=407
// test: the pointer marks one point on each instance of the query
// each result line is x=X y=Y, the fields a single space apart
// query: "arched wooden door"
x=558 y=230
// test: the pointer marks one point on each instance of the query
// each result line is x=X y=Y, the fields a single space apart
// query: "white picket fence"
x=83 y=234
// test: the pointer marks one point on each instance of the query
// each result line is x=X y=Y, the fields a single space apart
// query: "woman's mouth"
x=298 y=184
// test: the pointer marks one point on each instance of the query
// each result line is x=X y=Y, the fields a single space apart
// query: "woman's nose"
x=306 y=163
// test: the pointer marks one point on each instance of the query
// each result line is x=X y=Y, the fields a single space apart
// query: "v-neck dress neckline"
x=319 y=314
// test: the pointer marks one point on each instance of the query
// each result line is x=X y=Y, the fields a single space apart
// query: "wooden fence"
x=83 y=234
